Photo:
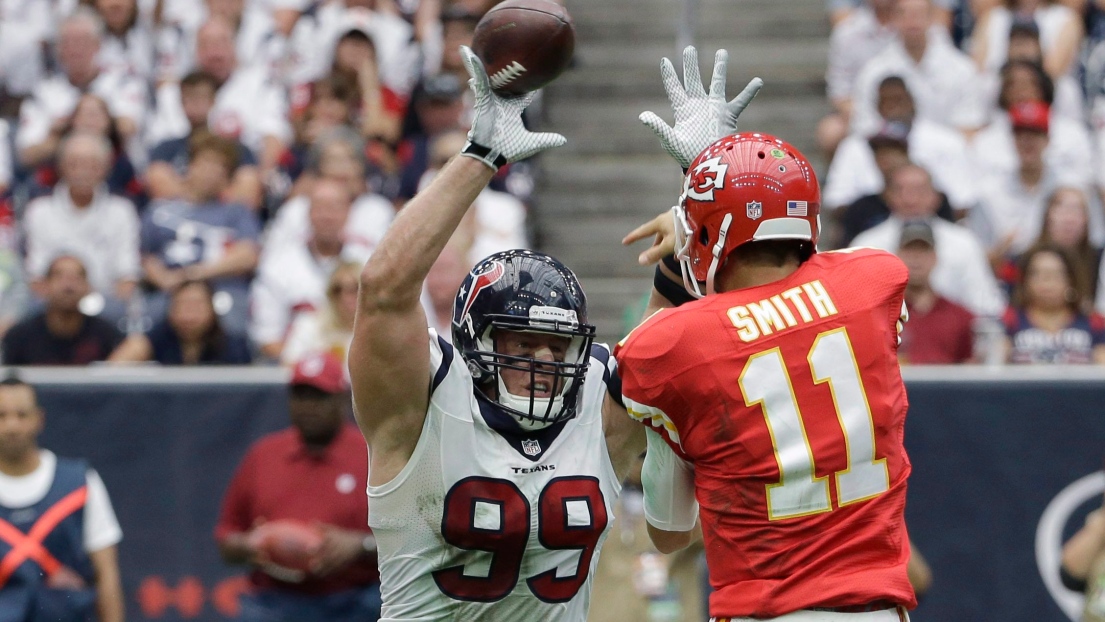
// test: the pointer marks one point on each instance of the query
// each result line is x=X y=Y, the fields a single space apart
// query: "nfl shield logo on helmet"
x=754 y=209
x=530 y=447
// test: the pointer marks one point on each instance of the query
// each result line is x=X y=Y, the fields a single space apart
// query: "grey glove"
x=700 y=118
x=497 y=135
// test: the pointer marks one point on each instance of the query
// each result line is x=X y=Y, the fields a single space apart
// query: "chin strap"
x=718 y=249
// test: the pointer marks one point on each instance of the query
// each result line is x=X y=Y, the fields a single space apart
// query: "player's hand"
x=497 y=133
x=700 y=117
x=662 y=230
x=340 y=547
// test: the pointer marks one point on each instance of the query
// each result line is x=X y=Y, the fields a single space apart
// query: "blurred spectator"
x=1060 y=34
x=21 y=66
x=14 y=293
x=61 y=334
x=1024 y=46
x=941 y=78
x=962 y=273
x=190 y=334
x=45 y=115
x=82 y=218
x=939 y=149
x=314 y=473
x=329 y=329
x=91 y=116
x=202 y=237
x=438 y=108
x=380 y=108
x=329 y=103
x=337 y=155
x=992 y=148
x=939 y=332
x=292 y=277
x=889 y=149
x=5 y=159
x=458 y=27
x=864 y=32
x=841 y=10
x=169 y=160
x=249 y=105
x=496 y=222
x=1046 y=323
x=128 y=44
x=56 y=511
x=442 y=284
x=1066 y=225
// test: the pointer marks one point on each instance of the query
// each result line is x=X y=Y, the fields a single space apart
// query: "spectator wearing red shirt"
x=315 y=471
x=938 y=331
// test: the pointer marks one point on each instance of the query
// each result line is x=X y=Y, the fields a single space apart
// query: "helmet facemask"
x=684 y=238
x=564 y=378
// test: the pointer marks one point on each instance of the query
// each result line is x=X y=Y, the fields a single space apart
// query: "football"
x=288 y=543
x=524 y=44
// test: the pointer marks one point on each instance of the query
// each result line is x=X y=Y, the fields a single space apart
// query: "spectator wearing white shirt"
x=1011 y=214
x=328 y=329
x=942 y=79
x=128 y=45
x=249 y=105
x=1069 y=142
x=44 y=115
x=962 y=273
x=21 y=62
x=1024 y=45
x=1060 y=34
x=337 y=155
x=292 y=278
x=81 y=218
x=940 y=150
x=860 y=36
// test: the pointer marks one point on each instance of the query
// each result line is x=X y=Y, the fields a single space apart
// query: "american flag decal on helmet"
x=797 y=208
x=483 y=280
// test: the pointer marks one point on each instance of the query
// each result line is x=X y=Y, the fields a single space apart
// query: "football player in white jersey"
x=494 y=462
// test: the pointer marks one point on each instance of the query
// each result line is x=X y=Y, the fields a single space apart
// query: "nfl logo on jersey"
x=531 y=447
x=754 y=209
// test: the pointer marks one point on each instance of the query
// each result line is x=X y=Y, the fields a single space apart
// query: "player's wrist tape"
x=487 y=155
x=668 y=288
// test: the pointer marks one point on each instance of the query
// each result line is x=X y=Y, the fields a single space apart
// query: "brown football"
x=524 y=44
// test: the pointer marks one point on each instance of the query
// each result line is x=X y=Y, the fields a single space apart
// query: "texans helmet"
x=744 y=188
x=527 y=291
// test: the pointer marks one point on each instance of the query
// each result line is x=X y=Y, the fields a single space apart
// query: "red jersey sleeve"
x=647 y=360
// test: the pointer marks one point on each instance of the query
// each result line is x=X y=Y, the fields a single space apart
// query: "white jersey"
x=479 y=528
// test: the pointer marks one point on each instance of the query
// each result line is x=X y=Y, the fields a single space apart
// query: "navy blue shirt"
x=228 y=350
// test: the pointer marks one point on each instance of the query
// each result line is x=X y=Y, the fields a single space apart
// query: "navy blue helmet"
x=525 y=291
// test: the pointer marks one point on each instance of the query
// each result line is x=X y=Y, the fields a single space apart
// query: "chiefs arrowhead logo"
x=482 y=281
x=704 y=179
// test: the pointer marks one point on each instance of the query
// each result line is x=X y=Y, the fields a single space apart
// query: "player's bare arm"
x=389 y=358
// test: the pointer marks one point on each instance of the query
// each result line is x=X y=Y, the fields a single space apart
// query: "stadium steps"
x=612 y=175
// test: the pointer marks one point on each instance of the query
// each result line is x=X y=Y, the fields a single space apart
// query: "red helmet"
x=743 y=188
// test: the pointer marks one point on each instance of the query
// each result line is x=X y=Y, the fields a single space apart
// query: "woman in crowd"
x=1046 y=323
x=1060 y=31
x=329 y=329
x=190 y=334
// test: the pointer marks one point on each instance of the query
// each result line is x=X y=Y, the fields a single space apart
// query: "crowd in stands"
x=199 y=181
x=968 y=136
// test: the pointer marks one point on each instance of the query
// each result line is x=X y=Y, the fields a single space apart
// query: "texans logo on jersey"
x=483 y=280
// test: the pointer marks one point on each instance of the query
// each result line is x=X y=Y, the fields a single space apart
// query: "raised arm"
x=389 y=359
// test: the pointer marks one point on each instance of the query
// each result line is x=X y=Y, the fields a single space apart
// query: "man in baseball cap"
x=314 y=472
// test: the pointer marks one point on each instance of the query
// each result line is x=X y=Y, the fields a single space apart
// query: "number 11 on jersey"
x=766 y=383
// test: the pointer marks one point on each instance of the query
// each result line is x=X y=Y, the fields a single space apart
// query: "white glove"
x=700 y=118
x=497 y=135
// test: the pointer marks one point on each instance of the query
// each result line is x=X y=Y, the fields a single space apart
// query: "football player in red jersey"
x=773 y=396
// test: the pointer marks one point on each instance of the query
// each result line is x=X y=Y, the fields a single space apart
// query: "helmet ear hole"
x=703 y=236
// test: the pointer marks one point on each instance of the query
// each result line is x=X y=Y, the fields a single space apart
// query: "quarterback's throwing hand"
x=498 y=135
x=700 y=117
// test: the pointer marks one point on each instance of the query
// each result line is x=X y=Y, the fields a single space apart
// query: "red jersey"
x=788 y=400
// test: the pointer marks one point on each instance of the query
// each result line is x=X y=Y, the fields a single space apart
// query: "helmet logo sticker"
x=553 y=314
x=483 y=280
x=754 y=209
x=778 y=154
x=797 y=208
x=705 y=178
